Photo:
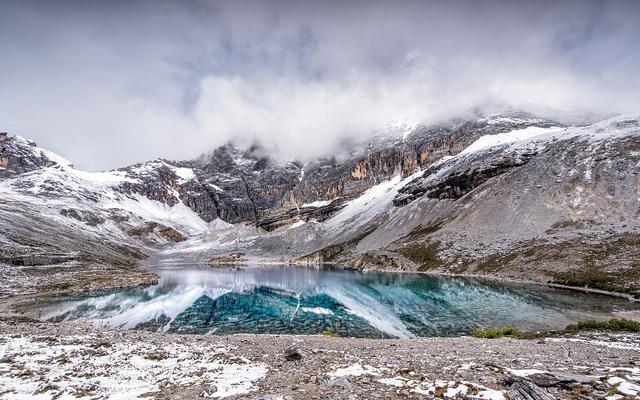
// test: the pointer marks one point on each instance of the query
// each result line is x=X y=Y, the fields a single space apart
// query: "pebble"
x=293 y=354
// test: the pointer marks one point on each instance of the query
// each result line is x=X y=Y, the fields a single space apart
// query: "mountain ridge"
x=420 y=199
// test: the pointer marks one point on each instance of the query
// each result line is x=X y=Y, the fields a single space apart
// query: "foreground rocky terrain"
x=49 y=361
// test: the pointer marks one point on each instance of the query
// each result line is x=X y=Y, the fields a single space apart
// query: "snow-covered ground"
x=85 y=367
x=500 y=139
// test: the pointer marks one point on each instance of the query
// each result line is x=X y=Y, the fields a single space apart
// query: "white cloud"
x=111 y=84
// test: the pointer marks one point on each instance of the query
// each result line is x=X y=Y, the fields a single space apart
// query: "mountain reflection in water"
x=297 y=300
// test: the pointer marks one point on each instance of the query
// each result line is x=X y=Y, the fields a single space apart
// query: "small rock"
x=293 y=354
x=342 y=382
x=524 y=389
x=211 y=390
x=412 y=383
x=544 y=380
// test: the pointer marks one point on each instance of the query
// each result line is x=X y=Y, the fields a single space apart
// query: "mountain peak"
x=19 y=155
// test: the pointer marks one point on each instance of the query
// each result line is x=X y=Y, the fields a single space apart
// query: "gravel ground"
x=78 y=360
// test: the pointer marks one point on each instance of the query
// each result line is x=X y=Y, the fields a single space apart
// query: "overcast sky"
x=109 y=83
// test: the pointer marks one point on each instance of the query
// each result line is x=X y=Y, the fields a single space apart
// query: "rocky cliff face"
x=18 y=155
x=249 y=186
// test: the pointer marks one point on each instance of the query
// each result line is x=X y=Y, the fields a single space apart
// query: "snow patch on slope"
x=296 y=224
x=179 y=215
x=372 y=203
x=490 y=141
x=185 y=174
x=318 y=203
x=218 y=225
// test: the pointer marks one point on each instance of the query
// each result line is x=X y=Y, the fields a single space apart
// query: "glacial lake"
x=298 y=300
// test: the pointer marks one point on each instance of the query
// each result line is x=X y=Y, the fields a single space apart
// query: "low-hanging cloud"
x=111 y=83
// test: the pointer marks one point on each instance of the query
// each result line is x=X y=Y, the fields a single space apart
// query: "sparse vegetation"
x=494 y=333
x=100 y=344
x=424 y=254
x=425 y=230
x=157 y=356
x=496 y=263
x=621 y=281
x=612 y=325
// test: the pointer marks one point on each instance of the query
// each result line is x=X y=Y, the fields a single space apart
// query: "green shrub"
x=494 y=333
x=612 y=325
x=156 y=356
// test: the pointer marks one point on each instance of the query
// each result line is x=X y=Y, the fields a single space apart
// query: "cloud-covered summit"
x=111 y=83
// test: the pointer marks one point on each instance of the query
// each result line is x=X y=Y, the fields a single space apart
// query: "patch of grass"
x=495 y=263
x=101 y=344
x=587 y=277
x=424 y=254
x=7 y=360
x=613 y=265
x=439 y=393
x=425 y=230
x=624 y=281
x=612 y=325
x=569 y=224
x=330 y=334
x=494 y=333
x=157 y=356
x=581 y=391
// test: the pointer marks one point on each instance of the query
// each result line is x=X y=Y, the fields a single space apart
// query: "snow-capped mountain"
x=490 y=195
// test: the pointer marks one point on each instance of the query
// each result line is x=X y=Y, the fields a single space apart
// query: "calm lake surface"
x=298 y=300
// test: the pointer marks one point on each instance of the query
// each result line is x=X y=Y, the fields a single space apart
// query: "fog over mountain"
x=110 y=83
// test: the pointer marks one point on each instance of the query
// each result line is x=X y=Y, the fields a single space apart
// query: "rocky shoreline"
x=79 y=360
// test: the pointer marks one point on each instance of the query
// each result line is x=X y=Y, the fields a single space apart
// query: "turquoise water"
x=296 y=300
